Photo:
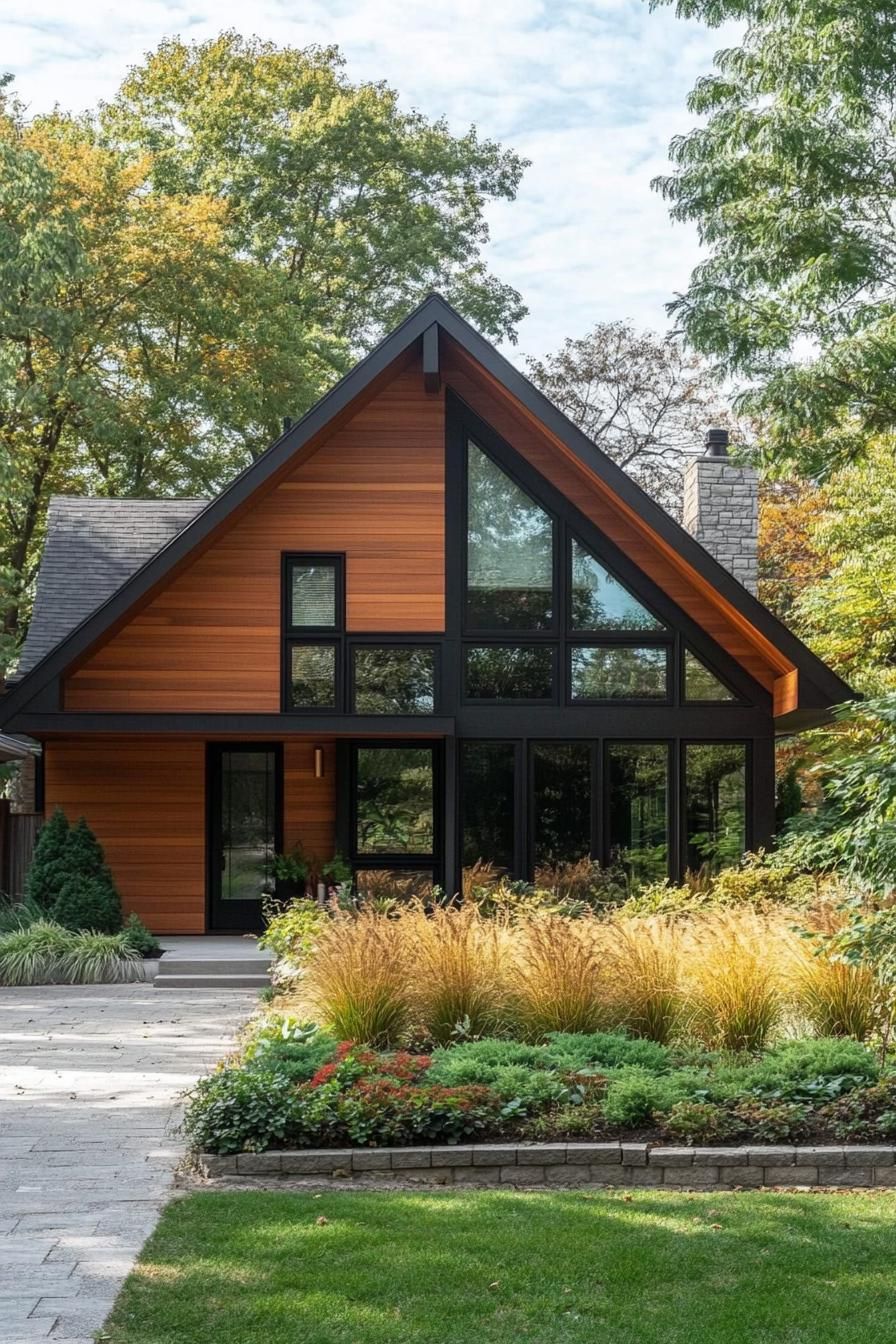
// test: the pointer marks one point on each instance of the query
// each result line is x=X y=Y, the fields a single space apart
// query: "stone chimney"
x=721 y=508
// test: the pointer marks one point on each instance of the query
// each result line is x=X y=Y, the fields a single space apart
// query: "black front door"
x=245 y=811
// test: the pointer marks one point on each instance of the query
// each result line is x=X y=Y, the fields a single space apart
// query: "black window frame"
x=674 y=811
x=373 y=641
x=556 y=696
x=576 y=702
x=660 y=631
x=399 y=862
x=293 y=635
x=735 y=696
x=750 y=820
x=596 y=828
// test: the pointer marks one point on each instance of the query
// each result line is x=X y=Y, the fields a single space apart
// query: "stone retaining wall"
x=574 y=1164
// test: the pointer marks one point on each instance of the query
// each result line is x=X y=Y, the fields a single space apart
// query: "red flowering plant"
x=384 y=1111
x=352 y=1063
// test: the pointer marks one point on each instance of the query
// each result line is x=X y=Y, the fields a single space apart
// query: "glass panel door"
x=244 y=832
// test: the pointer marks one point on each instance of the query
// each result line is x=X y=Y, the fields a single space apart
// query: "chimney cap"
x=716 y=442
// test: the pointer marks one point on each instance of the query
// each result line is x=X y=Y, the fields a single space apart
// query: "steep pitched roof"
x=808 y=687
x=93 y=546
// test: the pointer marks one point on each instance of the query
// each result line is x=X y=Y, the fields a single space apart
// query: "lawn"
x=639 y=1267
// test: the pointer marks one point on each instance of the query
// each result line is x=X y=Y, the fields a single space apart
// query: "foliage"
x=558 y=978
x=698 y=1122
x=867 y=943
x=457 y=980
x=359 y=979
x=47 y=872
x=734 y=993
x=808 y=1068
x=790 y=561
x=188 y=262
x=789 y=179
x=15 y=915
x=647 y=956
x=643 y=399
x=292 y=867
x=381 y=1111
x=837 y=998
x=869 y=1113
x=45 y=953
x=772 y=1122
x=605 y=1050
x=87 y=897
x=138 y=936
x=296 y=1049
x=291 y=932
x=635 y=1097
x=239 y=1110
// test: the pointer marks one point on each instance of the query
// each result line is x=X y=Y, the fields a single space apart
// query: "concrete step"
x=222 y=980
x=248 y=965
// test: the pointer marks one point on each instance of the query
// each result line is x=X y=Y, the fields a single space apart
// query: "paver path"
x=89 y=1077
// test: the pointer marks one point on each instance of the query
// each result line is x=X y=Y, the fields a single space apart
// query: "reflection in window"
x=700 y=683
x=313 y=676
x=395 y=796
x=488 y=772
x=394 y=680
x=599 y=602
x=618 y=672
x=637 y=784
x=510 y=543
x=715 y=803
x=509 y=672
x=248 y=824
x=312 y=596
x=561 y=802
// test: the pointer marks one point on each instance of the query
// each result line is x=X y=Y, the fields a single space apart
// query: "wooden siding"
x=210 y=640
x=145 y=799
x=544 y=452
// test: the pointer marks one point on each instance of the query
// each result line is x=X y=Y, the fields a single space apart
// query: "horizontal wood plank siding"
x=210 y=641
x=309 y=804
x=594 y=500
x=145 y=799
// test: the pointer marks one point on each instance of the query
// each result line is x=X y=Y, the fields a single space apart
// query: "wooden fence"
x=18 y=835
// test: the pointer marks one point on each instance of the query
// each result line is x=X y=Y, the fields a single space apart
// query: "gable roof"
x=809 y=687
x=103 y=542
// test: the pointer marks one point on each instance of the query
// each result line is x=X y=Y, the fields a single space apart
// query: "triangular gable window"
x=599 y=601
x=700 y=684
x=510 y=551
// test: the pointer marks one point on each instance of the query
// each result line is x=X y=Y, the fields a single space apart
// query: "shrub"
x=635 y=1097
x=559 y=977
x=359 y=979
x=456 y=971
x=238 y=1110
x=583 y=1121
x=647 y=956
x=772 y=1122
x=869 y=1113
x=379 y=1111
x=480 y=1061
x=98 y=958
x=292 y=931
x=295 y=1049
x=510 y=1080
x=734 y=994
x=138 y=936
x=662 y=898
x=806 y=1061
x=698 y=1122
x=759 y=883
x=605 y=1050
x=31 y=956
x=87 y=897
x=47 y=872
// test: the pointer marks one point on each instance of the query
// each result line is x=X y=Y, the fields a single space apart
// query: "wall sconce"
x=318 y=762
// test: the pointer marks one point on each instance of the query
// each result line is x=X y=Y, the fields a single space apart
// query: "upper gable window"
x=702 y=685
x=314 y=592
x=510 y=552
x=600 y=602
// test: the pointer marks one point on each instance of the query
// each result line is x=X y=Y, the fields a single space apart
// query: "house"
x=433 y=624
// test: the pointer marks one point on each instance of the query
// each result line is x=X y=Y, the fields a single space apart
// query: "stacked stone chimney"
x=721 y=508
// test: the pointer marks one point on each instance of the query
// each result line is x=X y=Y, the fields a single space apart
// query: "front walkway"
x=88 y=1081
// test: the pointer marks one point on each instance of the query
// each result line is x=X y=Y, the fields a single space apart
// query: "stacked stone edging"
x=751 y=1165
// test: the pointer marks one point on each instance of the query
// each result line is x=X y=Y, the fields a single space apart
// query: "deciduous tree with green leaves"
x=791 y=181
x=206 y=254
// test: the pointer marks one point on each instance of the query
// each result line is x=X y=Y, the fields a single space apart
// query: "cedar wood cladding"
x=145 y=798
x=210 y=641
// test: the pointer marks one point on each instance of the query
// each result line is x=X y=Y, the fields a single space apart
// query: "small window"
x=618 y=672
x=313 y=682
x=510 y=552
x=488 y=804
x=599 y=601
x=313 y=594
x=509 y=672
x=637 y=783
x=716 y=804
x=394 y=801
x=700 y=684
x=561 y=805
x=394 y=679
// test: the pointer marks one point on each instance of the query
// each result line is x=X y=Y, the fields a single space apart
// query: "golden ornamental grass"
x=647 y=964
x=358 y=979
x=559 y=976
x=836 y=999
x=732 y=962
x=456 y=967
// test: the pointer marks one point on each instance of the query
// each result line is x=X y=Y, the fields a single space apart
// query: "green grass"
x=496 y=1267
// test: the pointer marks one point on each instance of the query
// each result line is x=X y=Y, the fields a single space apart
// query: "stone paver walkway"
x=89 y=1077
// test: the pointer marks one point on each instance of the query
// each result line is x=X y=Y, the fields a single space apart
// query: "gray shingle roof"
x=92 y=547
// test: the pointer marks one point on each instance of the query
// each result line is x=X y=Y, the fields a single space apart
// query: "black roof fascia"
x=433 y=309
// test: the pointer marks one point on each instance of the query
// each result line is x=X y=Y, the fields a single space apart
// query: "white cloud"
x=590 y=90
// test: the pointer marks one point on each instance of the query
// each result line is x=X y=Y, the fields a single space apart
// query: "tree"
x=642 y=399
x=790 y=181
x=206 y=254
x=88 y=898
x=790 y=561
x=46 y=873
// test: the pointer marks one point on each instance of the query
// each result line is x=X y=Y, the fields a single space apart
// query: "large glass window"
x=394 y=679
x=488 y=808
x=510 y=552
x=715 y=804
x=394 y=801
x=509 y=672
x=700 y=684
x=637 y=785
x=561 y=803
x=313 y=594
x=617 y=672
x=312 y=676
x=600 y=602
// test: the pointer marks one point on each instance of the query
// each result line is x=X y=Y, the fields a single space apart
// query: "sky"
x=590 y=90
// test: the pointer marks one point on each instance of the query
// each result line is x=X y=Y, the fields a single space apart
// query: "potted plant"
x=290 y=872
x=335 y=873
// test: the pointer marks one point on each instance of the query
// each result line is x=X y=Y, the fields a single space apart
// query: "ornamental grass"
x=457 y=970
x=358 y=979
x=647 y=963
x=559 y=976
x=733 y=979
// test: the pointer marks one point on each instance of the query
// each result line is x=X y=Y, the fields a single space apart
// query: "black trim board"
x=823 y=687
